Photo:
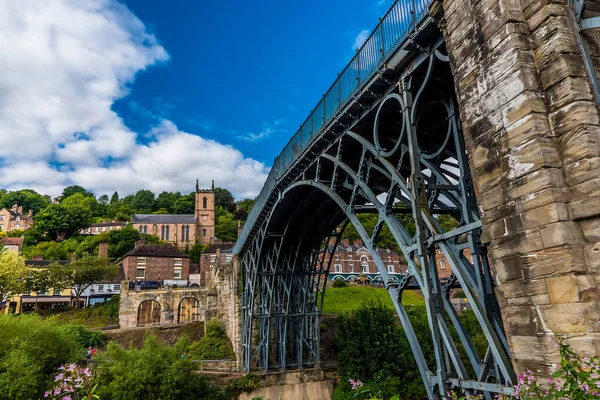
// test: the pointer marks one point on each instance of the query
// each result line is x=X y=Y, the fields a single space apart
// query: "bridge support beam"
x=532 y=130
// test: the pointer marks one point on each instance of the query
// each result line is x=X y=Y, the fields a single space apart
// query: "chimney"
x=74 y=257
x=213 y=185
x=218 y=254
x=30 y=213
x=345 y=242
x=358 y=242
x=239 y=228
x=138 y=243
x=103 y=250
x=38 y=258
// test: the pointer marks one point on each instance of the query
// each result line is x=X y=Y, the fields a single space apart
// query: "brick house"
x=97 y=229
x=156 y=262
x=352 y=260
x=183 y=230
x=12 y=243
x=15 y=219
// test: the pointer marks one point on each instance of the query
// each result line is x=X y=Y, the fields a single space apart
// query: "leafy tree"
x=215 y=345
x=224 y=198
x=63 y=219
x=90 y=270
x=26 y=198
x=166 y=201
x=243 y=209
x=74 y=189
x=195 y=251
x=185 y=204
x=226 y=225
x=121 y=241
x=114 y=198
x=143 y=201
x=55 y=276
x=447 y=222
x=16 y=233
x=155 y=372
x=12 y=274
x=104 y=200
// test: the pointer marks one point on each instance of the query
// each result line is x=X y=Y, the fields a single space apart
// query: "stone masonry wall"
x=531 y=126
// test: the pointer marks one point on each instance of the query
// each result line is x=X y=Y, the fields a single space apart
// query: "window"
x=56 y=292
x=213 y=258
x=351 y=267
x=178 y=262
x=140 y=273
x=350 y=256
x=336 y=258
x=337 y=268
x=177 y=274
x=364 y=258
x=204 y=202
x=187 y=233
x=183 y=233
x=162 y=232
x=117 y=288
x=389 y=259
x=228 y=257
x=203 y=232
x=96 y=229
x=141 y=261
x=442 y=264
x=1 y=217
x=103 y=229
x=391 y=269
x=364 y=268
x=100 y=288
x=16 y=226
x=167 y=232
x=140 y=229
x=18 y=219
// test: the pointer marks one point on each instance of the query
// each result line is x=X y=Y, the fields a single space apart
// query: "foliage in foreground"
x=350 y=298
x=155 y=372
x=31 y=350
x=215 y=345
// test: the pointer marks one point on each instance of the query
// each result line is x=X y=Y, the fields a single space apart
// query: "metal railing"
x=395 y=26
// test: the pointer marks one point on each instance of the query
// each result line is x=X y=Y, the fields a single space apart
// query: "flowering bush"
x=577 y=378
x=73 y=382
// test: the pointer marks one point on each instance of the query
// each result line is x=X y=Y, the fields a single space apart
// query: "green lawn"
x=340 y=300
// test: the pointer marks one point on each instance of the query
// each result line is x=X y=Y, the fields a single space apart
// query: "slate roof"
x=156 y=250
x=225 y=248
x=12 y=241
x=45 y=263
x=163 y=219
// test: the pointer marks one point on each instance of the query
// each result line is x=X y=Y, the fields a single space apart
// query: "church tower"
x=205 y=214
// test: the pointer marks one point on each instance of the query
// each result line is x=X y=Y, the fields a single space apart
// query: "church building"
x=182 y=229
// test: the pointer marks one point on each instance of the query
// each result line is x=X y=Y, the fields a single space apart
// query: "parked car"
x=144 y=285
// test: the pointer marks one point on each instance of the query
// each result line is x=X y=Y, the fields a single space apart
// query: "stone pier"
x=531 y=126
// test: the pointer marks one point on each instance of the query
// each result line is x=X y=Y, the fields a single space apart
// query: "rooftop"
x=12 y=241
x=156 y=250
x=224 y=247
x=163 y=219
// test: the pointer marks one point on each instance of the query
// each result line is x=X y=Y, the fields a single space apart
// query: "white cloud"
x=268 y=129
x=63 y=63
x=360 y=39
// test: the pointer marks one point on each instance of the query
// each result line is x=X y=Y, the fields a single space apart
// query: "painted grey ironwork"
x=390 y=144
x=578 y=10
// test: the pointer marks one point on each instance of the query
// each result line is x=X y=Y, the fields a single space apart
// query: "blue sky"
x=154 y=94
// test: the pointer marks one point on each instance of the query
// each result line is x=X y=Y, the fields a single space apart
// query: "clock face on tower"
x=204 y=218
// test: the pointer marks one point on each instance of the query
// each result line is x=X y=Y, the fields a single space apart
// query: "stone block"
x=509 y=268
x=520 y=320
x=504 y=227
x=587 y=288
x=546 y=214
x=562 y=289
x=531 y=126
x=523 y=242
x=538 y=16
x=573 y=115
x=592 y=257
x=569 y=90
x=582 y=170
x=586 y=208
x=536 y=182
x=582 y=142
x=551 y=262
x=591 y=229
x=561 y=67
x=541 y=198
x=560 y=233
x=570 y=317
x=526 y=288
x=589 y=188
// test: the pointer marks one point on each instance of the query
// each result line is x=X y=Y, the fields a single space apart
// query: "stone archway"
x=149 y=313
x=189 y=310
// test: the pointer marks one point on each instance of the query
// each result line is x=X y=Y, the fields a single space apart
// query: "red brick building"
x=14 y=218
x=156 y=262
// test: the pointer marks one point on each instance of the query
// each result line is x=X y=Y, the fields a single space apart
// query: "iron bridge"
x=384 y=139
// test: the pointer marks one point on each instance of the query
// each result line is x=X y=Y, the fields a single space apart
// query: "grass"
x=94 y=317
x=348 y=299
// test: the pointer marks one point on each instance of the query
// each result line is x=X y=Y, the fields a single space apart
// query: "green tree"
x=143 y=202
x=166 y=201
x=195 y=251
x=26 y=198
x=121 y=241
x=243 y=209
x=447 y=222
x=63 y=219
x=74 y=189
x=114 y=198
x=12 y=274
x=185 y=204
x=90 y=270
x=224 y=198
x=215 y=345
x=104 y=200
x=226 y=225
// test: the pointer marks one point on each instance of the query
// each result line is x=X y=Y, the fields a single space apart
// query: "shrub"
x=157 y=371
x=245 y=384
x=31 y=350
x=339 y=283
x=88 y=338
x=215 y=345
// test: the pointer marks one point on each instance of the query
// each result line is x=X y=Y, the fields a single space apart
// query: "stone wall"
x=169 y=300
x=531 y=126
